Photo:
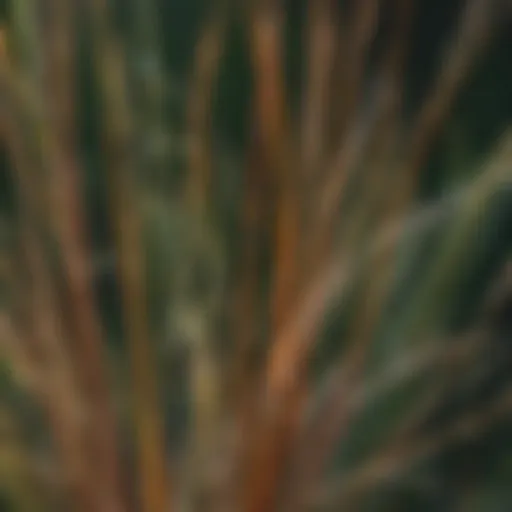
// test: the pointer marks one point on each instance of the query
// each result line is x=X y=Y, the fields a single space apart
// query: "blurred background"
x=255 y=255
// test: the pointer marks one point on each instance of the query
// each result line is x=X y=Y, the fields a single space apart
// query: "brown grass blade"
x=152 y=464
x=266 y=26
x=266 y=29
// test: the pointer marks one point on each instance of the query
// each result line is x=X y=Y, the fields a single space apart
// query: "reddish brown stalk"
x=152 y=462
x=313 y=464
x=151 y=450
x=272 y=123
x=208 y=53
x=248 y=307
x=270 y=450
x=283 y=391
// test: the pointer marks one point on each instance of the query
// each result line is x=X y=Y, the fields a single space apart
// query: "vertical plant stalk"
x=272 y=123
x=266 y=462
x=208 y=53
x=248 y=307
x=152 y=465
x=283 y=388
